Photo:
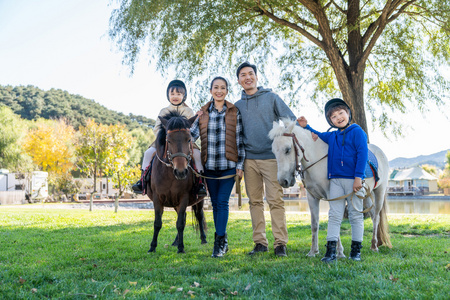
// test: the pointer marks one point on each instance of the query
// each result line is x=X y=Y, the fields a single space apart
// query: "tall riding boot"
x=355 y=253
x=217 y=250
x=330 y=256
x=138 y=187
x=224 y=244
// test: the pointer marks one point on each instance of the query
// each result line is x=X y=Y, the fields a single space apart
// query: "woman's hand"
x=302 y=121
x=240 y=173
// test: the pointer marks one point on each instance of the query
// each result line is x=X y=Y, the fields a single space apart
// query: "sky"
x=64 y=44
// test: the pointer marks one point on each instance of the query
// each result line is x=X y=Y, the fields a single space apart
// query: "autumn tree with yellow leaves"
x=50 y=145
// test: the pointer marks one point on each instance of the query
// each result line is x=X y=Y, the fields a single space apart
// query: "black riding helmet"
x=335 y=102
x=177 y=83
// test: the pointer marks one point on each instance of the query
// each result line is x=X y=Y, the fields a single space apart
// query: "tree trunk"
x=357 y=103
x=101 y=183
x=356 y=68
x=95 y=178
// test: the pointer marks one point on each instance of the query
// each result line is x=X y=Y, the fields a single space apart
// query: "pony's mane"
x=175 y=121
x=288 y=126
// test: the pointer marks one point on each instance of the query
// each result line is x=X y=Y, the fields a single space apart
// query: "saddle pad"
x=372 y=167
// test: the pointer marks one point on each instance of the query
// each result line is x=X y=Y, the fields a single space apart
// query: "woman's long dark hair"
x=218 y=77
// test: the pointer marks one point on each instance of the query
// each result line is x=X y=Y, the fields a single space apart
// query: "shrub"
x=444 y=183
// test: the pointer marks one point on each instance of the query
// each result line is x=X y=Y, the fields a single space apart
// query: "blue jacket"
x=347 y=151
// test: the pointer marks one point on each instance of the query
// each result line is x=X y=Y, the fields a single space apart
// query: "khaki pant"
x=259 y=174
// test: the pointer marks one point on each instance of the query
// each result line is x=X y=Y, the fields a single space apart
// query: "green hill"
x=32 y=103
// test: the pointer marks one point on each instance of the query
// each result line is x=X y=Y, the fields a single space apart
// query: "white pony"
x=312 y=163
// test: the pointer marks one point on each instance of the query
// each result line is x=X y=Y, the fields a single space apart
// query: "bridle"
x=297 y=146
x=171 y=156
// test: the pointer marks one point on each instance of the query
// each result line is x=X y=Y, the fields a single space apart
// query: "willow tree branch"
x=294 y=26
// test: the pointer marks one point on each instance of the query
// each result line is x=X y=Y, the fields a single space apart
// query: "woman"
x=222 y=153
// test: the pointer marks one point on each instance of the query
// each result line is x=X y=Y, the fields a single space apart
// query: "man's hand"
x=240 y=173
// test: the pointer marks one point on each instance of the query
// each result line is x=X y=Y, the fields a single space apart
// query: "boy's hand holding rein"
x=357 y=184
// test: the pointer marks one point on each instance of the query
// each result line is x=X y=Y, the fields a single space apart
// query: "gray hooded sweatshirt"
x=258 y=112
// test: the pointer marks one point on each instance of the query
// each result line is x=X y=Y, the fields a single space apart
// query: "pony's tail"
x=197 y=211
x=383 y=226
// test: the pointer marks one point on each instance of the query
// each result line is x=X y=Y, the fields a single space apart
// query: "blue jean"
x=220 y=191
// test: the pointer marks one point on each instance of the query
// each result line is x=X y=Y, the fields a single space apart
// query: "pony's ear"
x=192 y=120
x=291 y=126
x=163 y=121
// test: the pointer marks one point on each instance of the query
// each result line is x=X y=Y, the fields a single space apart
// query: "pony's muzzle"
x=180 y=174
x=284 y=182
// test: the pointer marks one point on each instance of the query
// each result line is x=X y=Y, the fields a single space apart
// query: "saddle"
x=372 y=168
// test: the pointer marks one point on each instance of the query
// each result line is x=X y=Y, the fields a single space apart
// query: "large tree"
x=50 y=145
x=385 y=52
x=11 y=132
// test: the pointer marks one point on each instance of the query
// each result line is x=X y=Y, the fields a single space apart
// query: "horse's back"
x=383 y=162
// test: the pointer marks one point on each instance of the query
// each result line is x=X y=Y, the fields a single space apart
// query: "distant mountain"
x=437 y=159
x=32 y=103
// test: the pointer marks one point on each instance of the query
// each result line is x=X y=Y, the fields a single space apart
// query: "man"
x=259 y=107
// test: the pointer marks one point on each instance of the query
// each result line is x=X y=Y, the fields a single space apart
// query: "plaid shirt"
x=216 y=159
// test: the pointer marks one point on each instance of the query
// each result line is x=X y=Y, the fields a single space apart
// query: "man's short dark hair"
x=243 y=65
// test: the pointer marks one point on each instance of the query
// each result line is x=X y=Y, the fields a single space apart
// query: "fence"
x=12 y=197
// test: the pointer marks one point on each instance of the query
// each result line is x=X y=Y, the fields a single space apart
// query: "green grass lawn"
x=75 y=254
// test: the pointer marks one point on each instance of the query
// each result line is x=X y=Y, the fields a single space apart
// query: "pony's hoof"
x=181 y=252
x=204 y=242
x=174 y=244
x=312 y=253
x=374 y=249
x=152 y=250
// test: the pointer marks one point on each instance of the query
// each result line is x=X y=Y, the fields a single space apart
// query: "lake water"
x=396 y=206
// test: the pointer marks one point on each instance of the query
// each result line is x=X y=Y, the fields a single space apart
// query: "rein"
x=237 y=179
x=297 y=145
x=368 y=193
x=301 y=172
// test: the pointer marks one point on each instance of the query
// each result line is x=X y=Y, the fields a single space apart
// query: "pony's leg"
x=200 y=216
x=379 y=199
x=175 y=242
x=181 y=223
x=156 y=225
x=314 y=210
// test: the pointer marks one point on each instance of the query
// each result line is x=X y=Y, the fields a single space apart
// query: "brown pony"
x=172 y=179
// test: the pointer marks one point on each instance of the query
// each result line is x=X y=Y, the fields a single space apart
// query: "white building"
x=103 y=187
x=15 y=186
x=411 y=178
